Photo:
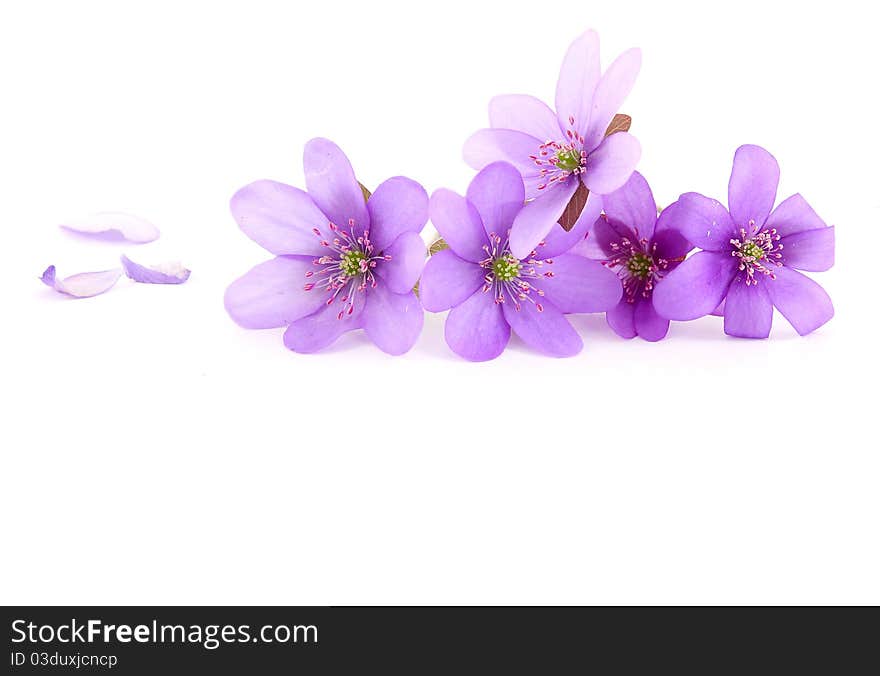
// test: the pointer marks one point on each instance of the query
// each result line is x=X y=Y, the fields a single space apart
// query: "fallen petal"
x=166 y=273
x=82 y=285
x=115 y=223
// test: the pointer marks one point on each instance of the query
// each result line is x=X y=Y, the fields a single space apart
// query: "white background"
x=154 y=452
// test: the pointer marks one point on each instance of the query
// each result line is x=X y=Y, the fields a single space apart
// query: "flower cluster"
x=556 y=222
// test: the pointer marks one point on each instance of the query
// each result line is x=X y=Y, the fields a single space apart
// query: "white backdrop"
x=154 y=452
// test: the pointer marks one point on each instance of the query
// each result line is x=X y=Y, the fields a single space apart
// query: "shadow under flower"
x=432 y=342
x=594 y=329
x=348 y=342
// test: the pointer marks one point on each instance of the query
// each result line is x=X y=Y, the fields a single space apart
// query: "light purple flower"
x=342 y=262
x=750 y=256
x=555 y=152
x=642 y=250
x=490 y=291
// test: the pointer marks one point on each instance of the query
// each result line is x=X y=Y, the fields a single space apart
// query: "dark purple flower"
x=641 y=249
x=554 y=152
x=342 y=262
x=490 y=291
x=750 y=256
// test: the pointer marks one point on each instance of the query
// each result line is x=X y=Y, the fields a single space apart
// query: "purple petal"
x=633 y=205
x=718 y=311
x=498 y=194
x=169 y=273
x=280 y=218
x=695 y=287
x=810 y=250
x=621 y=319
x=579 y=284
x=332 y=184
x=83 y=284
x=459 y=223
x=670 y=243
x=752 y=189
x=526 y=114
x=476 y=329
x=322 y=328
x=703 y=221
x=272 y=294
x=649 y=325
x=48 y=277
x=538 y=217
x=611 y=92
x=393 y=321
x=503 y=145
x=603 y=234
x=546 y=330
x=402 y=272
x=448 y=280
x=611 y=164
x=116 y=224
x=578 y=79
x=398 y=205
x=748 y=312
x=794 y=215
x=558 y=241
x=800 y=300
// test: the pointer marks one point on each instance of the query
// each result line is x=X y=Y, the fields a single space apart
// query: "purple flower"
x=555 y=152
x=490 y=291
x=642 y=250
x=751 y=256
x=342 y=262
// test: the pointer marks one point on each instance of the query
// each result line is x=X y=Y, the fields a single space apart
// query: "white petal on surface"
x=83 y=284
x=126 y=226
x=165 y=273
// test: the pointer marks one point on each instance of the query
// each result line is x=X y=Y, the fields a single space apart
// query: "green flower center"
x=506 y=268
x=640 y=265
x=568 y=160
x=350 y=263
x=752 y=250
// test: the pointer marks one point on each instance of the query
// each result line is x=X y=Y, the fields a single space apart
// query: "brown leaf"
x=437 y=247
x=575 y=207
x=364 y=190
x=620 y=122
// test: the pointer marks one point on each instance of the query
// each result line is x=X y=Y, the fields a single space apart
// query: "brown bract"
x=620 y=122
x=437 y=246
x=576 y=204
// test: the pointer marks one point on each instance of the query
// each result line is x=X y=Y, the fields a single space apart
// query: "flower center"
x=558 y=160
x=757 y=254
x=346 y=268
x=751 y=250
x=640 y=265
x=510 y=278
x=352 y=263
x=568 y=159
x=506 y=268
